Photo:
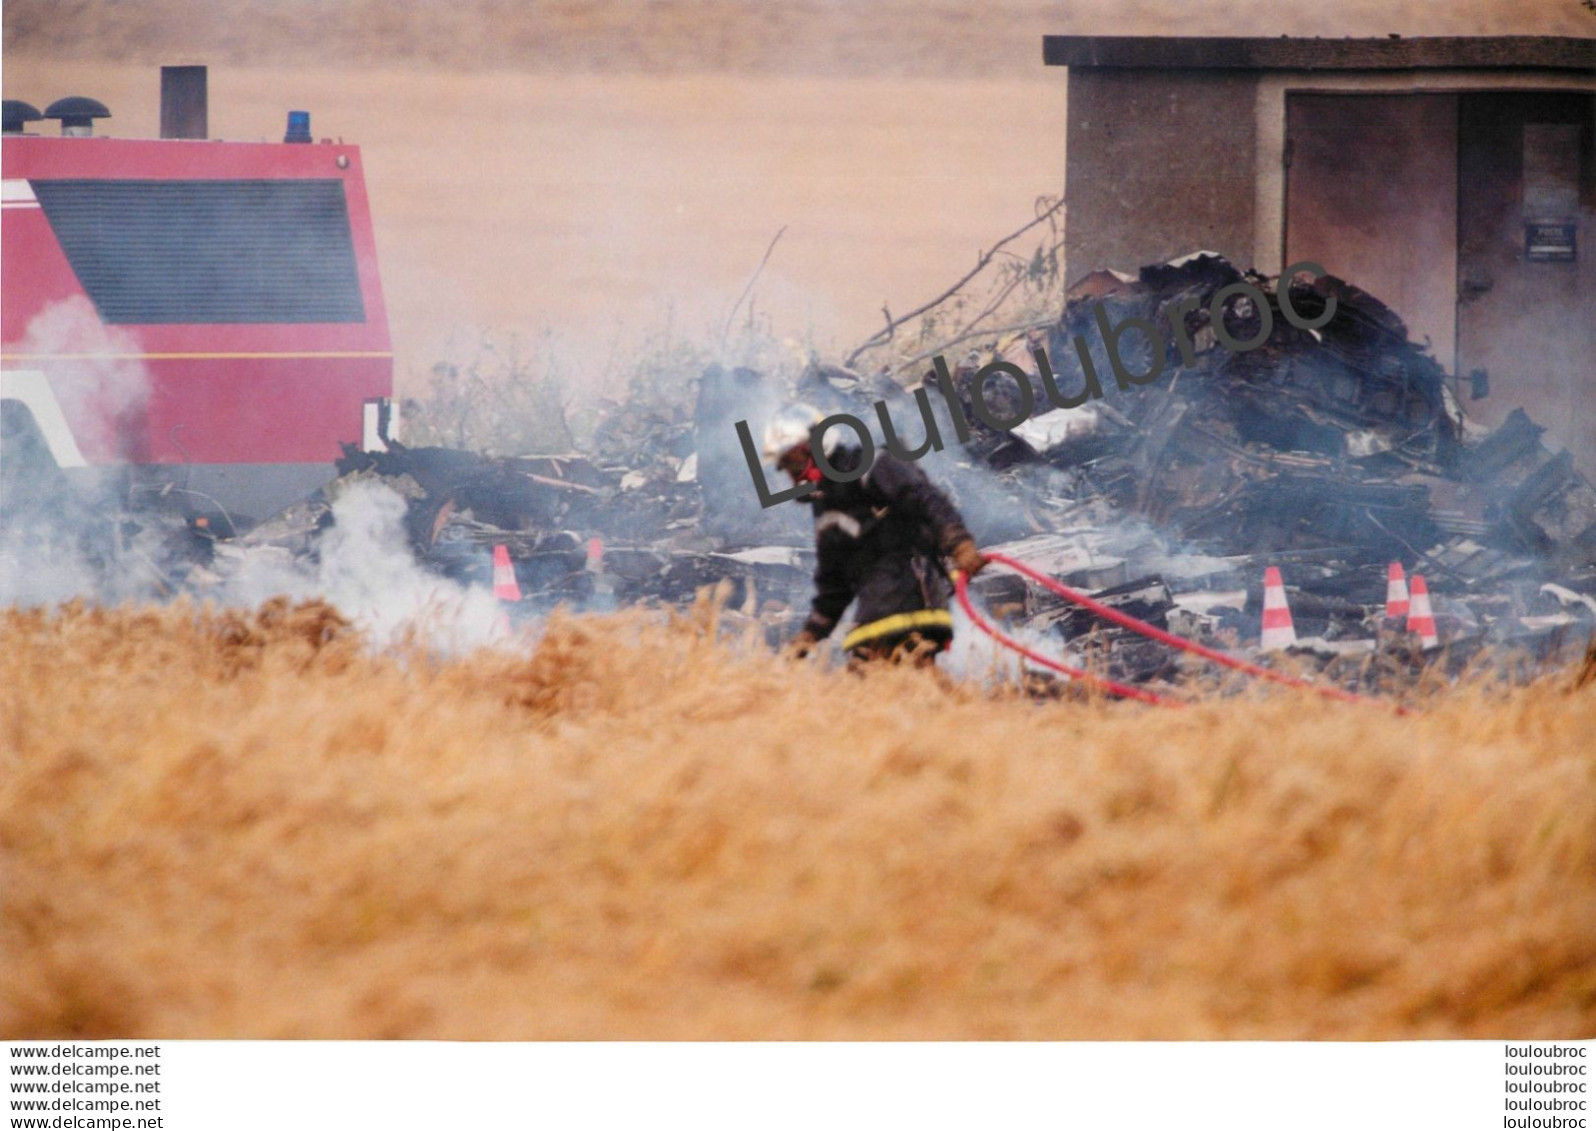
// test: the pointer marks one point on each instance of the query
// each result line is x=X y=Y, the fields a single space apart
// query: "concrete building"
x=1453 y=178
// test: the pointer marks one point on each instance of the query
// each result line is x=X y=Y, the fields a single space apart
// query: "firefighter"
x=880 y=539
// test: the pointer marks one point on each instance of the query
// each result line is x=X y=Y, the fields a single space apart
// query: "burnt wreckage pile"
x=1328 y=452
x=625 y=523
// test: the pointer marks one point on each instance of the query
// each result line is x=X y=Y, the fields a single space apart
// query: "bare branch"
x=994 y=331
x=1007 y=290
x=725 y=333
x=982 y=261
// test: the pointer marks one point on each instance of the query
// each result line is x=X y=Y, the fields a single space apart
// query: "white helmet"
x=789 y=428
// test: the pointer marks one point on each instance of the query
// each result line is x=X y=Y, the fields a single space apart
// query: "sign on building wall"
x=1551 y=191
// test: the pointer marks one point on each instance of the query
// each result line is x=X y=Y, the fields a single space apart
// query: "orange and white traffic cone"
x=505 y=587
x=603 y=583
x=1278 y=631
x=1396 y=593
x=1420 y=619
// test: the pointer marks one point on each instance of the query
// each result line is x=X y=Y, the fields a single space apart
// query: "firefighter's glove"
x=967 y=559
x=801 y=645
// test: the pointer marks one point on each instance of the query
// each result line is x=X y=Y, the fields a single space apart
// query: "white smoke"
x=364 y=568
x=978 y=658
x=94 y=372
x=367 y=571
x=74 y=390
x=29 y=578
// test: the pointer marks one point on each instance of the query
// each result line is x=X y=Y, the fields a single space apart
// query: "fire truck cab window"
x=208 y=251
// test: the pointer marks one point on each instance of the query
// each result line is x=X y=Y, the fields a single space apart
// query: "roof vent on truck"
x=18 y=114
x=77 y=114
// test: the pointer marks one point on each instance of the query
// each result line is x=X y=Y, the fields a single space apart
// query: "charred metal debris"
x=1329 y=453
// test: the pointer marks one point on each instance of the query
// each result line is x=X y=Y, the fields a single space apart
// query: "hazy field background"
x=603 y=170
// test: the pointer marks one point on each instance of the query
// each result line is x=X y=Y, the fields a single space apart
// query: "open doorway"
x=1471 y=215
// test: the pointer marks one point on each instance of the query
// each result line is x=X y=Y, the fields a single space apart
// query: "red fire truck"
x=204 y=315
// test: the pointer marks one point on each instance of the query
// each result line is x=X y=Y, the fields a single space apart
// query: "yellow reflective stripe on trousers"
x=898 y=622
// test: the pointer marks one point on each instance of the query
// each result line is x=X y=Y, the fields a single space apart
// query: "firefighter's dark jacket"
x=880 y=538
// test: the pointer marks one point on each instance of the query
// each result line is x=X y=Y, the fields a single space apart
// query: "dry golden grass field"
x=248 y=824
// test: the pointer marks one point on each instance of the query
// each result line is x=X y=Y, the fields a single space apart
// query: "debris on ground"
x=1329 y=453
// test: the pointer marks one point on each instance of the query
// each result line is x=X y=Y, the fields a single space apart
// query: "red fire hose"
x=961 y=584
x=1147 y=630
